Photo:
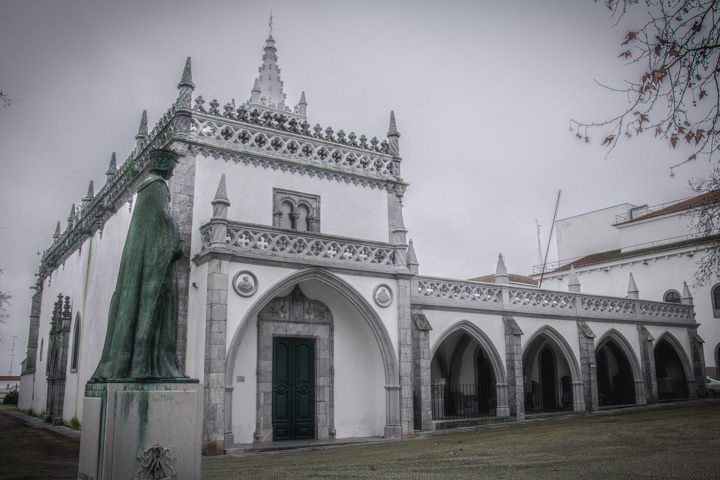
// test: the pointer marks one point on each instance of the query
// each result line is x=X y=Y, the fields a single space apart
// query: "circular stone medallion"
x=245 y=283
x=383 y=295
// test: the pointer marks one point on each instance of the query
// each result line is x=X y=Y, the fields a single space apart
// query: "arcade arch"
x=467 y=375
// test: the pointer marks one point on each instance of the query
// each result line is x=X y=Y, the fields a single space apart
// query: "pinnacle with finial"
x=501 y=270
x=302 y=99
x=573 y=281
x=143 y=130
x=186 y=80
x=632 y=291
x=501 y=274
x=221 y=194
x=112 y=168
x=687 y=297
x=411 y=256
x=393 y=125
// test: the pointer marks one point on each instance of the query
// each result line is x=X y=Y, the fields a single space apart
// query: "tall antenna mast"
x=540 y=257
x=12 y=355
x=552 y=227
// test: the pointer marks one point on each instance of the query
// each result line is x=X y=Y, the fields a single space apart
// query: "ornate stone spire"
x=112 y=168
x=269 y=82
x=301 y=108
x=220 y=213
x=221 y=195
x=687 y=297
x=573 y=281
x=57 y=232
x=143 y=129
x=186 y=87
x=71 y=217
x=142 y=134
x=412 y=261
x=393 y=136
x=632 y=291
x=91 y=192
x=501 y=274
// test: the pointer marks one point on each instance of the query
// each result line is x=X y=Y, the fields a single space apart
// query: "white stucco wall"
x=88 y=277
x=346 y=210
x=589 y=233
x=660 y=273
x=359 y=390
x=654 y=229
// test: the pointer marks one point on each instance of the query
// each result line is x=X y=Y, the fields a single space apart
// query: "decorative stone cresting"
x=476 y=295
x=263 y=240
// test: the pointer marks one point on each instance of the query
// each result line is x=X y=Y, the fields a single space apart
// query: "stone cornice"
x=286 y=165
x=295 y=146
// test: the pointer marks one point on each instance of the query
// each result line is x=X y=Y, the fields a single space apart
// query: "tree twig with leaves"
x=677 y=96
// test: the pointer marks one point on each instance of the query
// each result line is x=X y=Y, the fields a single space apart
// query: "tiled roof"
x=613 y=255
x=519 y=279
x=700 y=200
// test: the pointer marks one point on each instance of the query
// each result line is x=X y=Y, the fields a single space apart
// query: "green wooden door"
x=293 y=402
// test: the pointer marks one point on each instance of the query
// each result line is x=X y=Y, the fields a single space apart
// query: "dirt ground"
x=674 y=441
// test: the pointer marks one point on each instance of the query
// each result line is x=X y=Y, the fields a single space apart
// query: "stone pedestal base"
x=131 y=430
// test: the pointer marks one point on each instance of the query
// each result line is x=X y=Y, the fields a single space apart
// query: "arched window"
x=672 y=296
x=715 y=295
x=296 y=211
x=76 y=345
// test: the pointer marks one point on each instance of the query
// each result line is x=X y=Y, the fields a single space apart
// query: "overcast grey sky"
x=482 y=93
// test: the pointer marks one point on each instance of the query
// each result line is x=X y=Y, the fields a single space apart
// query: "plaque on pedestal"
x=141 y=430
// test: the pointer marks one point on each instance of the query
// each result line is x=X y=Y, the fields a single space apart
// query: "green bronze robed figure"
x=142 y=321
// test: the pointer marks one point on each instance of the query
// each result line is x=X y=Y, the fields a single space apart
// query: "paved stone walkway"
x=673 y=441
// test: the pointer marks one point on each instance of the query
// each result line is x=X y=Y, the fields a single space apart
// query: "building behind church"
x=302 y=310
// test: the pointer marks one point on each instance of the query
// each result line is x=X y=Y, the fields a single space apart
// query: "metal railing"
x=548 y=397
x=458 y=401
x=669 y=389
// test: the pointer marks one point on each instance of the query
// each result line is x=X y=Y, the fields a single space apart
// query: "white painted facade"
x=660 y=250
x=391 y=347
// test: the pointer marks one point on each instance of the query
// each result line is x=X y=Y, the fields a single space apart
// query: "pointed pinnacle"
x=112 y=168
x=687 y=297
x=143 y=130
x=411 y=256
x=221 y=194
x=72 y=212
x=186 y=80
x=573 y=278
x=632 y=290
x=256 y=86
x=57 y=231
x=501 y=270
x=91 y=191
x=393 y=125
x=302 y=99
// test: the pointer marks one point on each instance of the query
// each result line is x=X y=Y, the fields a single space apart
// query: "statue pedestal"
x=137 y=430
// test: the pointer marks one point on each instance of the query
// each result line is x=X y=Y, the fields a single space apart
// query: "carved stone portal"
x=296 y=315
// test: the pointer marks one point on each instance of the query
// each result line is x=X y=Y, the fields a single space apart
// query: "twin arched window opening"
x=296 y=211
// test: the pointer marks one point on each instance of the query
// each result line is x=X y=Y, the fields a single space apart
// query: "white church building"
x=655 y=250
x=302 y=311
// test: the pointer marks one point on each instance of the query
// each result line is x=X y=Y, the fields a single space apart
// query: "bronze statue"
x=142 y=321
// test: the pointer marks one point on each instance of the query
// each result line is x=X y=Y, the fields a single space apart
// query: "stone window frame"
x=670 y=292
x=715 y=299
x=74 y=358
x=297 y=199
